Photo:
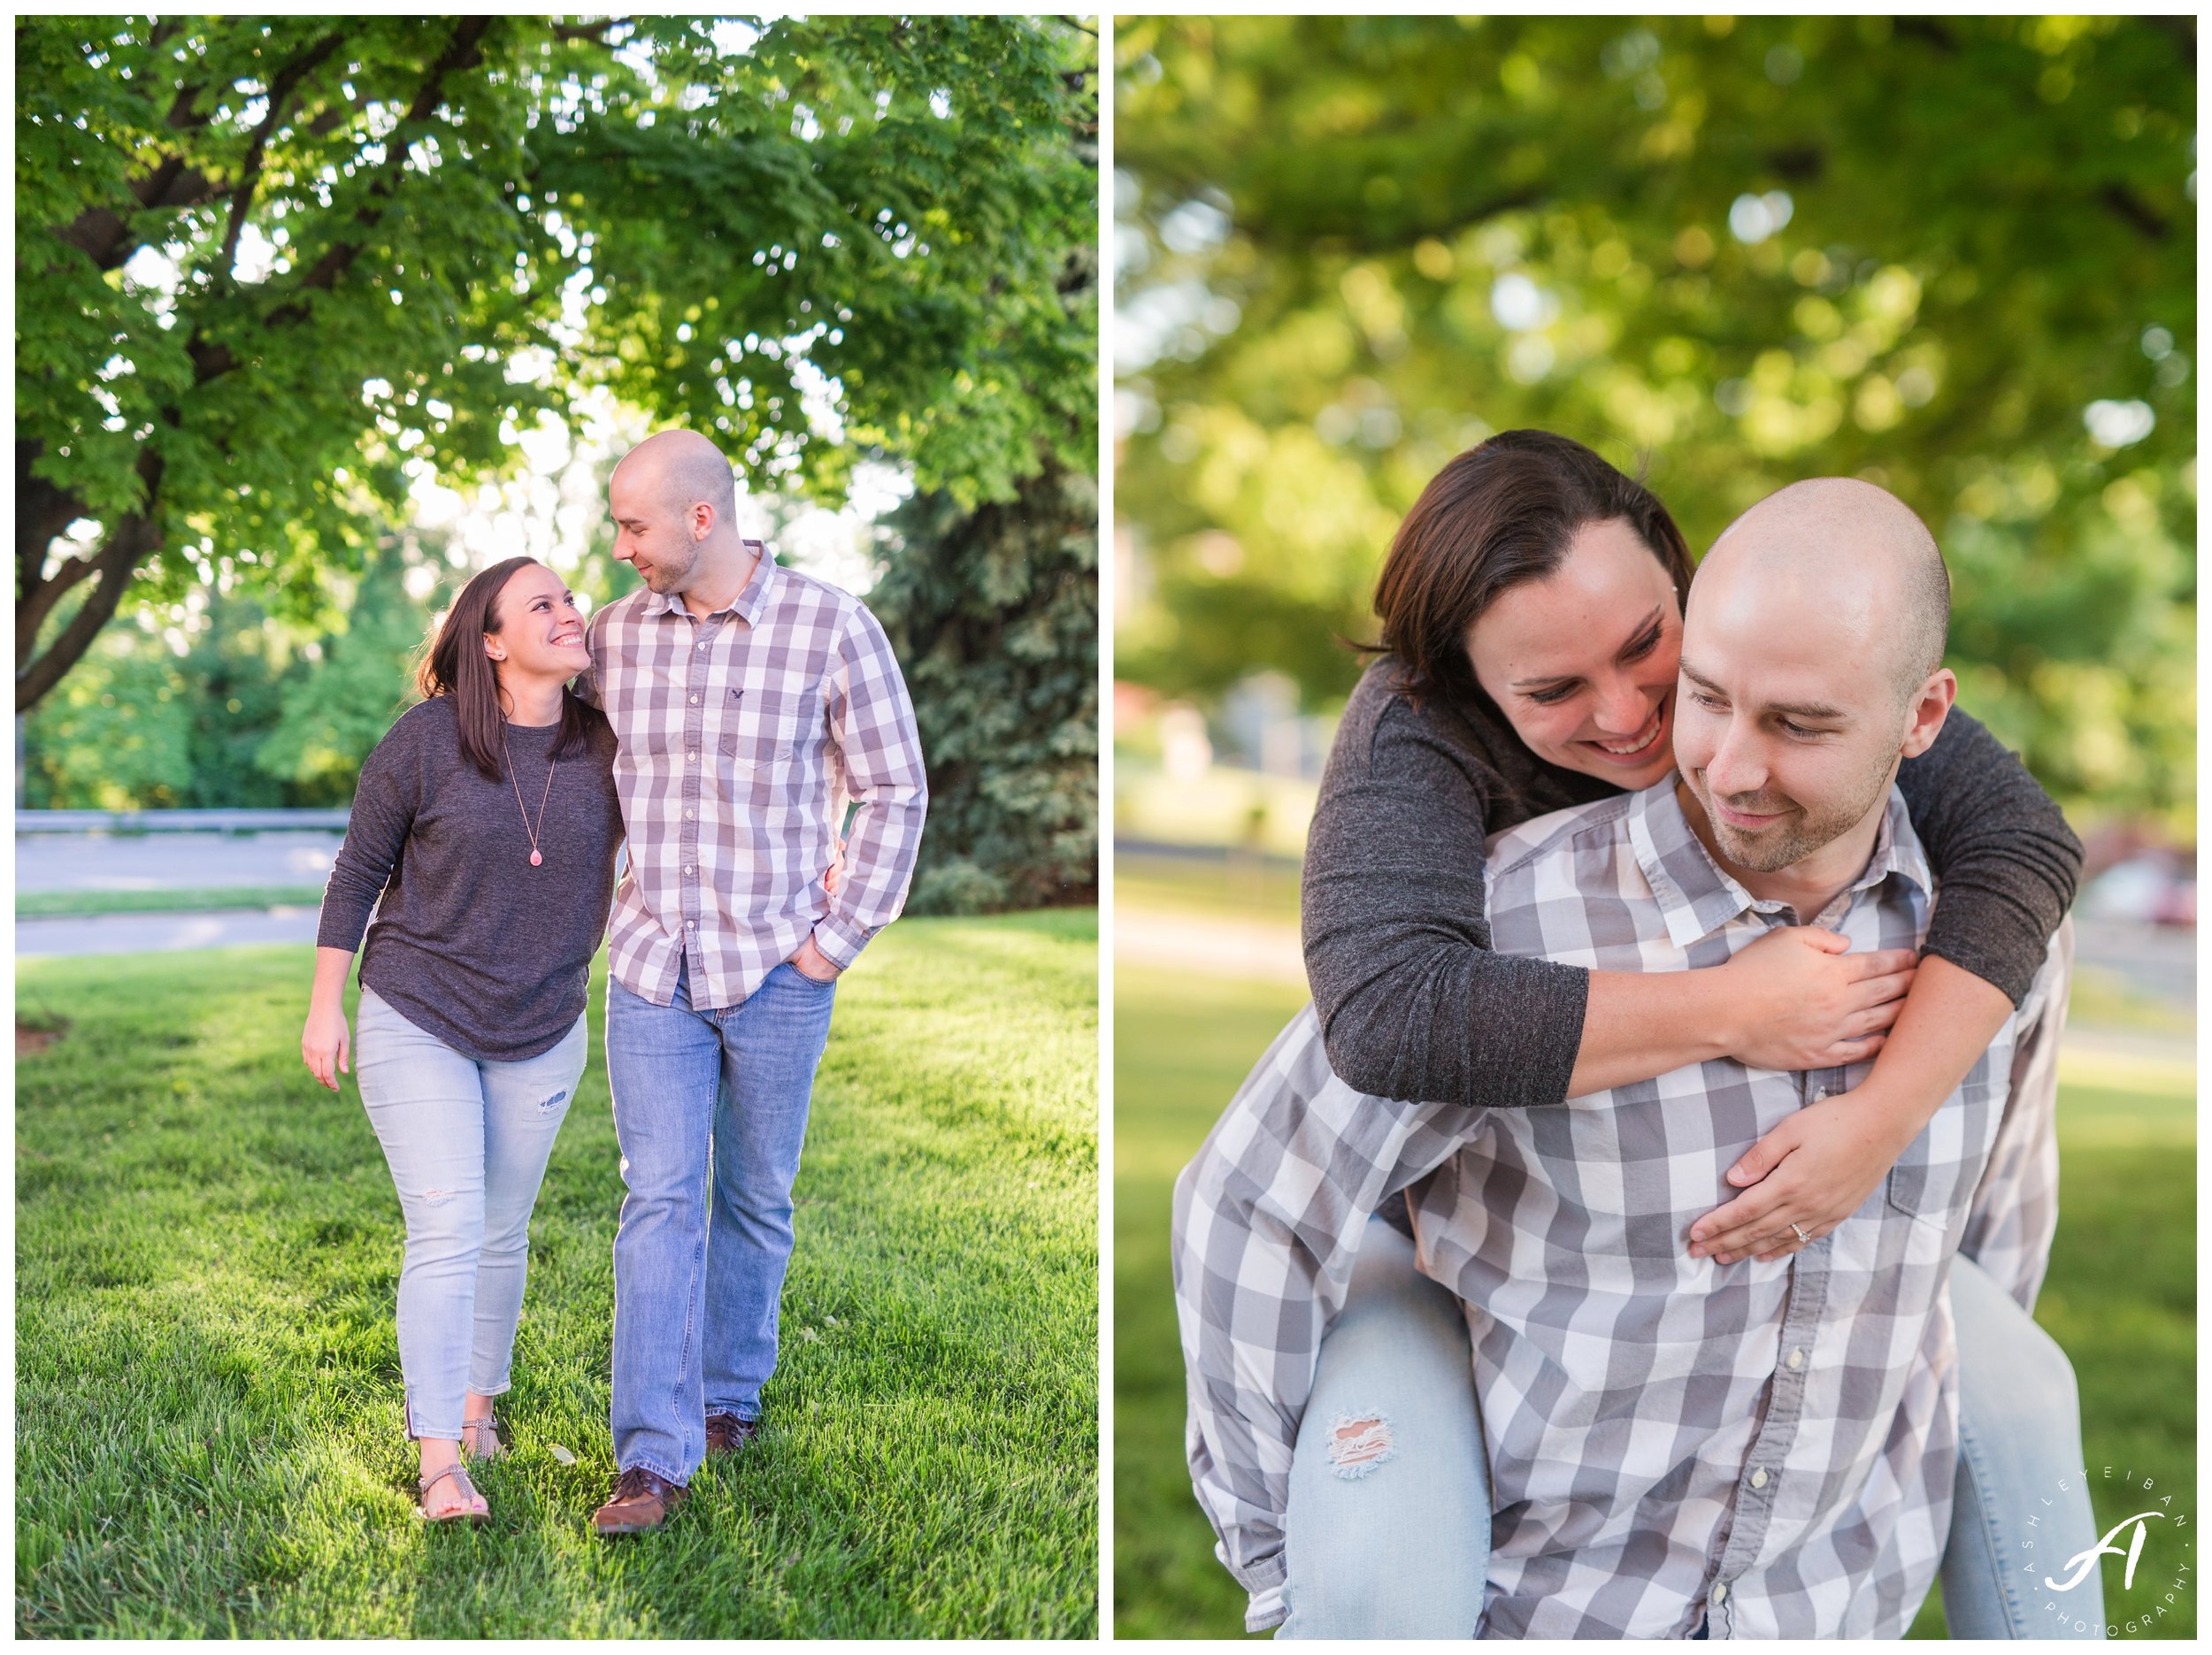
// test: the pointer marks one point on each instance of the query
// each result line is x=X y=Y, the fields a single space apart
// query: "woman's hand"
x=1802 y=1002
x=323 y=1044
x=1814 y=1170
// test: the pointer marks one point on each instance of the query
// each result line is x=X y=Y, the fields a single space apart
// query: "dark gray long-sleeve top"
x=471 y=943
x=1415 y=1005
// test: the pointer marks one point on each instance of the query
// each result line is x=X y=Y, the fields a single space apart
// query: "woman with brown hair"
x=483 y=838
x=1532 y=627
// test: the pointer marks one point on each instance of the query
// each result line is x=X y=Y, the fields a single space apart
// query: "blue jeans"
x=2021 y=1509
x=710 y=1108
x=467 y=1144
x=1387 y=1529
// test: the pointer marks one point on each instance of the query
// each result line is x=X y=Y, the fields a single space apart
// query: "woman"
x=1514 y=684
x=483 y=835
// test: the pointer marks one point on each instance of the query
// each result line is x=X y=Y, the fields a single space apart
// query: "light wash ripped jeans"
x=467 y=1144
x=1387 y=1530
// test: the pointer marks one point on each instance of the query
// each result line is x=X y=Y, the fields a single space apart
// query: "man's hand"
x=812 y=962
x=1815 y=1170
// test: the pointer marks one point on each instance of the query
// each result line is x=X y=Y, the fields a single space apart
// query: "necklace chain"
x=535 y=858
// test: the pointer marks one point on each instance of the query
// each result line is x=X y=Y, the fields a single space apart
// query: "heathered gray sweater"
x=1413 y=1003
x=471 y=943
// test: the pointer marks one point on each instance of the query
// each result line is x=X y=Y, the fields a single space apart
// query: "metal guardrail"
x=179 y=821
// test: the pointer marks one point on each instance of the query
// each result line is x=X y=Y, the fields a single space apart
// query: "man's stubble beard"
x=1796 y=839
x=666 y=579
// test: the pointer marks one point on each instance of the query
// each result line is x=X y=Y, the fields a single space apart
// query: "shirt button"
x=691 y=924
x=692 y=756
x=686 y=815
x=1759 y=1478
x=1720 y=1592
x=1820 y=1095
x=694 y=700
x=1797 y=1360
x=687 y=867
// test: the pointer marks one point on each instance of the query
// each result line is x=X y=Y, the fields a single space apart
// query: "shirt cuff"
x=1265 y=1609
x=840 y=943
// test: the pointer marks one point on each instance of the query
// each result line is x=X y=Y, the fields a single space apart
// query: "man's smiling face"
x=1803 y=677
x=651 y=532
x=1786 y=749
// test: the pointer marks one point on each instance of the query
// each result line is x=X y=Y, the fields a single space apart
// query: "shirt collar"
x=1698 y=898
x=749 y=603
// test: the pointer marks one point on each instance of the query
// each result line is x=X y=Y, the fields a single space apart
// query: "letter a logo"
x=2082 y=1562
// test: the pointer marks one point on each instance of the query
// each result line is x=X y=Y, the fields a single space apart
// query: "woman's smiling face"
x=1582 y=663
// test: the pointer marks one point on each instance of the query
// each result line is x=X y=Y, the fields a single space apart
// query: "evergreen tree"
x=993 y=615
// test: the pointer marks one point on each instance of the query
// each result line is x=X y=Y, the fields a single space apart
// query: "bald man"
x=754 y=706
x=1677 y=1444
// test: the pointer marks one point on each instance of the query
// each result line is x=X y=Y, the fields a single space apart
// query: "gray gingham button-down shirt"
x=742 y=739
x=1770 y=1446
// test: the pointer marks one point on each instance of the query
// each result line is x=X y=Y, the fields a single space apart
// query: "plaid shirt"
x=1771 y=1444
x=742 y=738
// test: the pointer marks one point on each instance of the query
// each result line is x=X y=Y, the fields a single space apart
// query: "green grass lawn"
x=209 y=1432
x=2120 y=1298
x=47 y=904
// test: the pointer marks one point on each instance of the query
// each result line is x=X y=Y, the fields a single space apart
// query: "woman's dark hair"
x=455 y=665
x=1502 y=513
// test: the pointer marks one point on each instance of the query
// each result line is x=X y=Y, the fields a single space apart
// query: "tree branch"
x=465 y=53
x=30 y=616
x=43 y=509
x=132 y=537
x=590 y=31
x=105 y=234
x=2126 y=204
x=250 y=169
x=212 y=361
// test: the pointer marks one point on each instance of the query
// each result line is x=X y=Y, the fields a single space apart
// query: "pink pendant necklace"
x=533 y=831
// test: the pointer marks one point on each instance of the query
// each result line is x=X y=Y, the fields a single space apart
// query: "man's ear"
x=1932 y=705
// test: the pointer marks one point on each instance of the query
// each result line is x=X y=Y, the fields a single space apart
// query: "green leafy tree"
x=994 y=616
x=1953 y=256
x=272 y=270
x=343 y=691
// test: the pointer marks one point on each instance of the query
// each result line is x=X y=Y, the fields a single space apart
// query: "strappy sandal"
x=459 y=1514
x=485 y=1438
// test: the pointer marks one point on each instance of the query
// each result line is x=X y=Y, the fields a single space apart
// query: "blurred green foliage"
x=1956 y=256
x=270 y=269
x=226 y=706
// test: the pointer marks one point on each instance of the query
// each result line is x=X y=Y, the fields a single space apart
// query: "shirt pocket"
x=1934 y=1180
x=759 y=762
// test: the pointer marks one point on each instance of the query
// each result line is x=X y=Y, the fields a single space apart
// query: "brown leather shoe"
x=640 y=1501
x=726 y=1433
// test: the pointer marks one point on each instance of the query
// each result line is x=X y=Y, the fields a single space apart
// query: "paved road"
x=160 y=933
x=170 y=861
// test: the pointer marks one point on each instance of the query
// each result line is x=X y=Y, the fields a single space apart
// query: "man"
x=1677 y=1448
x=752 y=703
